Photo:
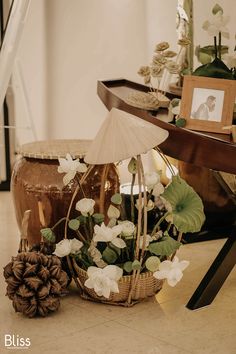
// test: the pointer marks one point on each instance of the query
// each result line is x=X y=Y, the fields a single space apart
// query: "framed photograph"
x=207 y=104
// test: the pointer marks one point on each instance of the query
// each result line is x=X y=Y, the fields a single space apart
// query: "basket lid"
x=53 y=149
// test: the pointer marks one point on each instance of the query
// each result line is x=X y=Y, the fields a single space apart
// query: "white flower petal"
x=183 y=265
x=113 y=272
x=116 y=230
x=92 y=270
x=68 y=177
x=118 y=242
x=75 y=245
x=63 y=248
x=165 y=265
x=160 y=274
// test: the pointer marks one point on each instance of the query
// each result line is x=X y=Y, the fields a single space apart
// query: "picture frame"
x=207 y=104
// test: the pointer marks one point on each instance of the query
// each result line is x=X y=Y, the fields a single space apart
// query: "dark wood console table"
x=213 y=151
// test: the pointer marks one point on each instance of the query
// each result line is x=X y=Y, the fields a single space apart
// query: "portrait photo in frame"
x=207 y=104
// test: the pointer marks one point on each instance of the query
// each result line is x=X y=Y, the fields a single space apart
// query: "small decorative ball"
x=35 y=283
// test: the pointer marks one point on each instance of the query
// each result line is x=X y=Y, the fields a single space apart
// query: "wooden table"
x=213 y=151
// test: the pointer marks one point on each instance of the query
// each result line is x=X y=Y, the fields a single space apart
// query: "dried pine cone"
x=35 y=283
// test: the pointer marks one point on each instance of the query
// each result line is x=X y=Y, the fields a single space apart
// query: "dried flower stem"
x=102 y=188
x=83 y=178
x=132 y=197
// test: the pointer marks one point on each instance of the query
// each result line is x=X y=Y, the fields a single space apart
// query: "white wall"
x=89 y=40
x=32 y=61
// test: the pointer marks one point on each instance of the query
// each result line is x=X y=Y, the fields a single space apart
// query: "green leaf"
x=187 y=206
x=152 y=263
x=48 y=234
x=116 y=199
x=113 y=212
x=132 y=166
x=165 y=247
x=74 y=224
x=82 y=219
x=216 y=69
x=112 y=223
x=136 y=265
x=128 y=267
x=216 y=9
x=180 y=122
x=98 y=218
x=109 y=255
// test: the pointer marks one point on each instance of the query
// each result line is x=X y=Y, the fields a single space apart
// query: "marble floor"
x=156 y=326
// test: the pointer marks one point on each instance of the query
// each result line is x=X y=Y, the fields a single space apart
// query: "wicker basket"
x=146 y=286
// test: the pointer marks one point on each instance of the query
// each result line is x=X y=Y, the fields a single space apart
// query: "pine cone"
x=35 y=283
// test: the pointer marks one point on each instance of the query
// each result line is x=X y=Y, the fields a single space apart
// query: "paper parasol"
x=121 y=136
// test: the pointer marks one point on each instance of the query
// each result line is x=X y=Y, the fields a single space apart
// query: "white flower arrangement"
x=106 y=250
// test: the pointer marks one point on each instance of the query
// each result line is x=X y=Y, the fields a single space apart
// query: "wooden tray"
x=214 y=151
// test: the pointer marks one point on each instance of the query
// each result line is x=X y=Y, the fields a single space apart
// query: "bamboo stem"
x=83 y=178
x=132 y=198
x=102 y=188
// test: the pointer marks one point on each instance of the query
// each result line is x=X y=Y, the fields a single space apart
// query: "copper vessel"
x=35 y=178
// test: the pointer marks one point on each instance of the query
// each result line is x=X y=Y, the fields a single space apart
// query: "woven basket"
x=146 y=286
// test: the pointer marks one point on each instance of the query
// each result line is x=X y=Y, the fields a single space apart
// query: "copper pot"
x=35 y=177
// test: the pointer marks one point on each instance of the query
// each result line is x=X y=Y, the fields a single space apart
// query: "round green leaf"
x=187 y=206
x=128 y=267
x=136 y=265
x=132 y=166
x=116 y=199
x=152 y=263
x=109 y=255
x=98 y=218
x=180 y=122
x=48 y=234
x=74 y=224
x=113 y=212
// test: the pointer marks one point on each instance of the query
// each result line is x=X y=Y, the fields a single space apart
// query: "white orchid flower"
x=70 y=167
x=171 y=271
x=128 y=228
x=85 y=206
x=151 y=179
x=147 y=241
x=104 y=281
x=104 y=233
x=66 y=247
x=216 y=25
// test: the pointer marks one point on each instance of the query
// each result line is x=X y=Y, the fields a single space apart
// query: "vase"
x=35 y=178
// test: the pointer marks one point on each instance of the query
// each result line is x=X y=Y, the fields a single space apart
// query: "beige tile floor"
x=156 y=326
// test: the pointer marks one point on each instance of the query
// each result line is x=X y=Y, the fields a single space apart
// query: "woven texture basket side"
x=146 y=286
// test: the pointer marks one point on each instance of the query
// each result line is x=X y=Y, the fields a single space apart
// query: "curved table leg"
x=216 y=275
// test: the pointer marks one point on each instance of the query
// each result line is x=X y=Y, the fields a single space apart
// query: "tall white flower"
x=217 y=24
x=171 y=271
x=104 y=233
x=70 y=167
x=85 y=206
x=104 y=281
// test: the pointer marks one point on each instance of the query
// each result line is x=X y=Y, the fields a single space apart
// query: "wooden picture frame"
x=207 y=104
